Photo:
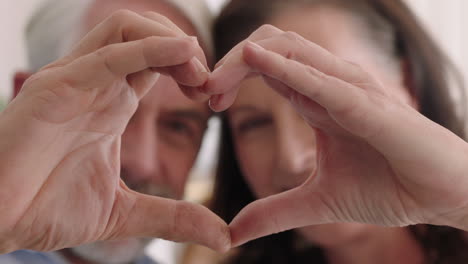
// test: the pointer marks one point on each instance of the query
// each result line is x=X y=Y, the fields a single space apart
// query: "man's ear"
x=408 y=82
x=18 y=81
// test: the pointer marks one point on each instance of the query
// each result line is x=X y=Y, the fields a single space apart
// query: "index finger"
x=168 y=23
x=116 y=61
x=121 y=26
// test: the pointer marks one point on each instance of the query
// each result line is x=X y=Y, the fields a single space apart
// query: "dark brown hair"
x=433 y=82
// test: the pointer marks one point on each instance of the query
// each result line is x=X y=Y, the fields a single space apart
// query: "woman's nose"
x=296 y=156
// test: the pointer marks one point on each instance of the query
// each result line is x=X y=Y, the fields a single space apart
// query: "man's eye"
x=254 y=123
x=179 y=133
x=178 y=127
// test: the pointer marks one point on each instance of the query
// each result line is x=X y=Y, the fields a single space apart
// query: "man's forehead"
x=100 y=9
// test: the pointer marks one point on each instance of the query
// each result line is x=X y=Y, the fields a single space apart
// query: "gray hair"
x=51 y=31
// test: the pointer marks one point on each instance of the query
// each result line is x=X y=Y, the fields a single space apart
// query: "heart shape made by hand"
x=373 y=164
x=64 y=129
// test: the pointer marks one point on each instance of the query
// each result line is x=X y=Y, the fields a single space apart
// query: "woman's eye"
x=253 y=124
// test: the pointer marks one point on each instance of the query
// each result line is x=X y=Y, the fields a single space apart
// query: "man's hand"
x=60 y=147
x=379 y=160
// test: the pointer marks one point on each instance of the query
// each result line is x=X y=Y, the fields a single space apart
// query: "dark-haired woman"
x=347 y=143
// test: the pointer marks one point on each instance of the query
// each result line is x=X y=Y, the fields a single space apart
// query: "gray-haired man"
x=157 y=148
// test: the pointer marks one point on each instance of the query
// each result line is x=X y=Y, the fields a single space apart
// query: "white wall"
x=447 y=21
x=13 y=17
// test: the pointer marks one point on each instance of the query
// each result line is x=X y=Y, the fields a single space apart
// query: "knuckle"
x=265 y=31
x=296 y=39
x=268 y=28
x=360 y=75
x=157 y=17
x=165 y=22
x=320 y=78
x=119 y=20
x=104 y=52
x=316 y=73
x=351 y=112
x=152 y=14
x=294 y=42
x=37 y=81
x=292 y=36
x=183 y=226
x=290 y=54
x=284 y=73
x=121 y=16
x=149 y=42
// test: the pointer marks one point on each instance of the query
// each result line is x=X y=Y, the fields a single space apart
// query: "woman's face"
x=274 y=145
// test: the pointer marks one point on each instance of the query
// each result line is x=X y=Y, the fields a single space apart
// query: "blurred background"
x=445 y=20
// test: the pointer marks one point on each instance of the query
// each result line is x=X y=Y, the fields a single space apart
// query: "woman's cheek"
x=256 y=164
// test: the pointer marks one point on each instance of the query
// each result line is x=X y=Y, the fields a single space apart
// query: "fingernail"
x=214 y=100
x=199 y=66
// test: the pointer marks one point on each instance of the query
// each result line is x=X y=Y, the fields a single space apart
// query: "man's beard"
x=128 y=250
x=147 y=187
x=152 y=189
x=112 y=252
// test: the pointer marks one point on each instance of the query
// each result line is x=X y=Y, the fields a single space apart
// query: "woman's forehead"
x=254 y=93
x=344 y=34
x=329 y=27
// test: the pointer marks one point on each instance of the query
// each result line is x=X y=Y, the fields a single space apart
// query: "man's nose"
x=295 y=155
x=141 y=160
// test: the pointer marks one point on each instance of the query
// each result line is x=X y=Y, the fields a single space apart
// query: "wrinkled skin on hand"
x=379 y=160
x=60 y=183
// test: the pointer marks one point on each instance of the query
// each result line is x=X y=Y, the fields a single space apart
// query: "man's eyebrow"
x=190 y=114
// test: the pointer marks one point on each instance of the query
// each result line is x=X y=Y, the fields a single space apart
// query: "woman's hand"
x=379 y=160
x=60 y=147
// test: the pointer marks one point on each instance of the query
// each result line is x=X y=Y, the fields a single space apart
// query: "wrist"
x=458 y=216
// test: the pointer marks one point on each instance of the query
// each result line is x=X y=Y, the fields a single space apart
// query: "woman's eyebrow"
x=244 y=108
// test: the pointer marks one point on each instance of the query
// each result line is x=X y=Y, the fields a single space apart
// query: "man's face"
x=159 y=147
x=162 y=139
